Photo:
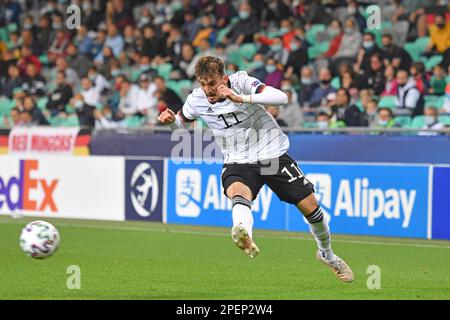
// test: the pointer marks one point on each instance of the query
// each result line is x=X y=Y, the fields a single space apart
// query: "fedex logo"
x=19 y=193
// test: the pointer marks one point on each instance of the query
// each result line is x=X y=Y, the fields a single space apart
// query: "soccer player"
x=254 y=149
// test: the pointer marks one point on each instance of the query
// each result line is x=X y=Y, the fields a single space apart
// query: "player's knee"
x=308 y=204
x=239 y=189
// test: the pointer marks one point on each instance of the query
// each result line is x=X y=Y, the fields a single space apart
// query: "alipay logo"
x=191 y=198
x=188 y=192
x=144 y=190
x=356 y=198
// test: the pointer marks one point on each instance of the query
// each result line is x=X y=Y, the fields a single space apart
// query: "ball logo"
x=144 y=189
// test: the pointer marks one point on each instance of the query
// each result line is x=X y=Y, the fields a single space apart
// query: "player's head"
x=210 y=74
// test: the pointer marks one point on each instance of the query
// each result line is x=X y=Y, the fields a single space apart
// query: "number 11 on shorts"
x=292 y=177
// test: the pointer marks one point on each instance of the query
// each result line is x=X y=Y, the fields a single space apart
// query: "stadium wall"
x=379 y=199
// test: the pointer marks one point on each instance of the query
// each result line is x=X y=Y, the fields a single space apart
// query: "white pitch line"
x=206 y=233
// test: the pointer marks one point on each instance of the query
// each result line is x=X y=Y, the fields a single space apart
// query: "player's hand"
x=167 y=117
x=224 y=92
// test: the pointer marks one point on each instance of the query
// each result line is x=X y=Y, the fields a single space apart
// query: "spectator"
x=349 y=45
x=431 y=121
x=376 y=79
x=26 y=119
x=167 y=98
x=274 y=75
x=114 y=40
x=14 y=81
x=78 y=62
x=369 y=48
x=62 y=94
x=71 y=76
x=438 y=81
x=259 y=68
x=345 y=112
x=417 y=72
x=147 y=101
x=298 y=57
x=14 y=115
x=353 y=12
x=323 y=120
x=34 y=84
x=128 y=99
x=439 y=35
x=38 y=118
x=83 y=42
x=394 y=55
x=390 y=85
x=323 y=90
x=223 y=11
x=385 y=119
x=28 y=58
x=190 y=27
x=307 y=85
x=290 y=113
x=91 y=96
x=409 y=99
x=371 y=109
x=58 y=46
x=98 y=80
x=206 y=32
x=85 y=112
x=45 y=34
x=245 y=28
x=153 y=45
x=96 y=48
x=187 y=56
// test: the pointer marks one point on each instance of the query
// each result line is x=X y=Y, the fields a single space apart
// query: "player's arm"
x=257 y=92
x=174 y=121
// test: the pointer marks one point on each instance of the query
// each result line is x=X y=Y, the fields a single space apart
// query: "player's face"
x=210 y=85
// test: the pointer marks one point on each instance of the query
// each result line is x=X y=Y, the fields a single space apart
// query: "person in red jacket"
x=28 y=58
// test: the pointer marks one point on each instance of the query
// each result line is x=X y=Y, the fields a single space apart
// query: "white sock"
x=319 y=228
x=242 y=215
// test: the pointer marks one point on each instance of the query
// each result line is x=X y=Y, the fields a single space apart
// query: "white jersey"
x=245 y=133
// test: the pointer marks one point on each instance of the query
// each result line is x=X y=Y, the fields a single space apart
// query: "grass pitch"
x=138 y=260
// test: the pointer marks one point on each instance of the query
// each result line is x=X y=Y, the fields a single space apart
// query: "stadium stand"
x=74 y=76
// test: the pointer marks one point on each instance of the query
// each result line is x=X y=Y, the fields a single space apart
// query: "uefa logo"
x=144 y=189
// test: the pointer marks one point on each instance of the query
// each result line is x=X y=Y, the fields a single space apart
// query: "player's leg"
x=291 y=186
x=241 y=185
x=318 y=226
x=242 y=230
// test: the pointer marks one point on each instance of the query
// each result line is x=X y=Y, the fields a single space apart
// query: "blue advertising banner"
x=144 y=189
x=195 y=196
x=441 y=203
x=382 y=200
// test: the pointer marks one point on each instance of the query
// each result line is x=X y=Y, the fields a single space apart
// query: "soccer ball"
x=39 y=239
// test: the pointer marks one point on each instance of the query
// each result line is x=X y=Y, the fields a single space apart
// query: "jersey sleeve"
x=188 y=112
x=249 y=85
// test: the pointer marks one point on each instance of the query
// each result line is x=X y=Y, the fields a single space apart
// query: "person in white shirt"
x=254 y=149
x=431 y=122
x=90 y=94
x=128 y=98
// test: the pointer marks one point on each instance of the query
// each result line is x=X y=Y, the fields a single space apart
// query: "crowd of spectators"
x=129 y=60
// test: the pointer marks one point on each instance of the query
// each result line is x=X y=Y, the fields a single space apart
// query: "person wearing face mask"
x=258 y=69
x=298 y=57
x=323 y=120
x=439 y=36
x=323 y=90
x=431 y=121
x=369 y=48
x=307 y=85
x=385 y=119
x=349 y=46
x=245 y=28
x=274 y=75
x=223 y=11
x=84 y=111
x=353 y=12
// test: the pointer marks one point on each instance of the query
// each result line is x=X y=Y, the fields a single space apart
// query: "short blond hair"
x=209 y=66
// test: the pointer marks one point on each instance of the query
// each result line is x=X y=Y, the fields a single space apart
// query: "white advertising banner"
x=42 y=140
x=65 y=187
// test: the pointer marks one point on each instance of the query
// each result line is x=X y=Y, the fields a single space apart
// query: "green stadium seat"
x=336 y=82
x=172 y=84
x=43 y=59
x=318 y=49
x=184 y=88
x=413 y=50
x=12 y=27
x=387 y=102
x=42 y=103
x=134 y=121
x=310 y=125
x=5 y=106
x=434 y=101
x=247 y=50
x=312 y=32
x=70 y=121
x=404 y=121
x=4 y=35
x=433 y=61
x=164 y=70
x=418 y=122
x=422 y=43
x=235 y=57
x=445 y=119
